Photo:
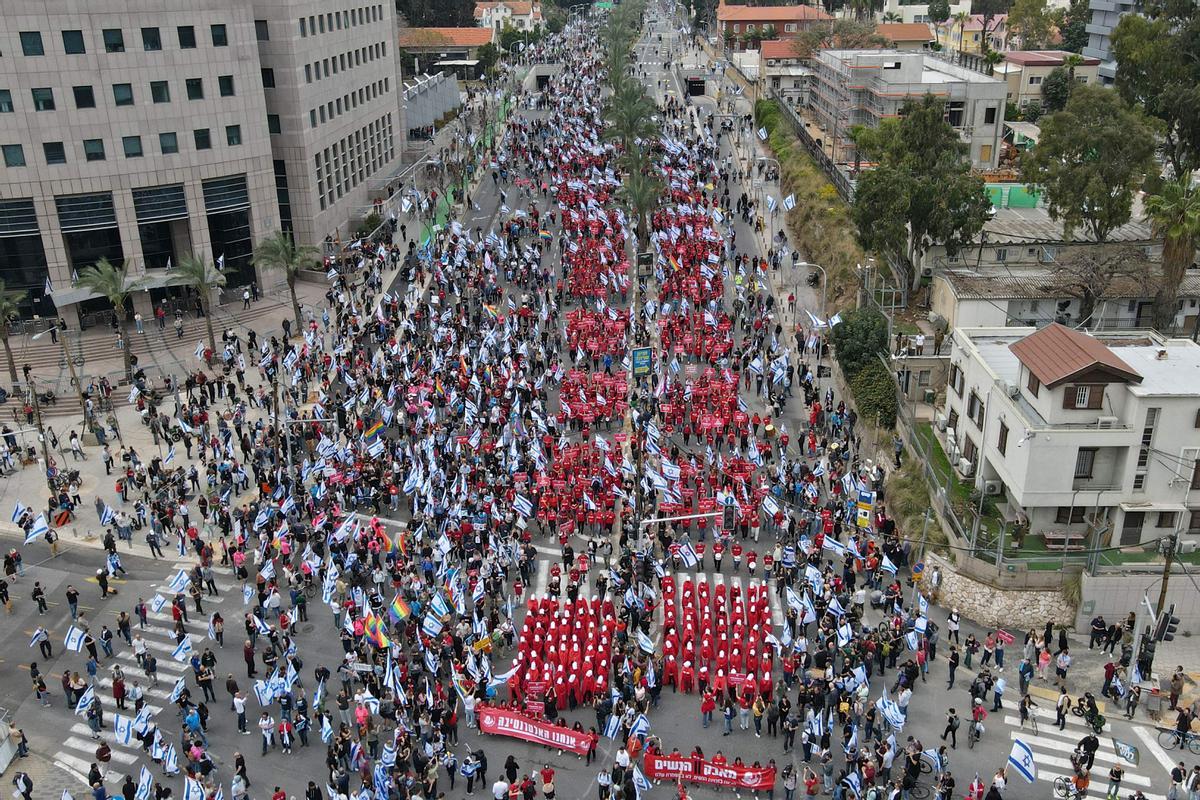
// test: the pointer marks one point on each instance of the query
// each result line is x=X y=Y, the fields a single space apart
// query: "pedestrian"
x=951 y=729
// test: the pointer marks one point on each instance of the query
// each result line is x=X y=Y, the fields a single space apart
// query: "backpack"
x=954 y=723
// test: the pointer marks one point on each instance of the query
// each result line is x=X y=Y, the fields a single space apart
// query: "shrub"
x=875 y=395
x=368 y=225
x=859 y=340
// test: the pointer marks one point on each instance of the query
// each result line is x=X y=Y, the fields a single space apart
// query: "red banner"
x=669 y=768
x=503 y=722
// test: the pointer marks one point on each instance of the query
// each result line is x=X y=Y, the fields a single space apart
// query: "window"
x=123 y=94
x=985 y=153
x=975 y=410
x=1091 y=397
x=6 y=105
x=268 y=78
x=969 y=450
x=31 y=43
x=114 y=40
x=1035 y=80
x=195 y=88
x=303 y=28
x=1194 y=521
x=1002 y=442
x=14 y=155
x=54 y=152
x=160 y=91
x=1197 y=422
x=220 y=37
x=952 y=420
x=1002 y=254
x=989 y=115
x=84 y=97
x=273 y=124
x=132 y=145
x=1166 y=519
x=233 y=135
x=308 y=73
x=1195 y=472
x=168 y=143
x=1085 y=459
x=225 y=85
x=924 y=377
x=957 y=380
x=187 y=36
x=93 y=149
x=43 y=99
x=312 y=117
x=1074 y=512
x=151 y=40
x=202 y=138
x=73 y=43
x=263 y=34
x=1033 y=384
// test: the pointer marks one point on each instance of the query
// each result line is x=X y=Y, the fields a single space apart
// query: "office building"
x=1105 y=16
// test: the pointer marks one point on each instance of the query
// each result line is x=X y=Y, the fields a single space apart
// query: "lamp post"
x=62 y=340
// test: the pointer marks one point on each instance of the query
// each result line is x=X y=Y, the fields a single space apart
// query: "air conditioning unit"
x=992 y=487
x=1011 y=389
x=926 y=272
x=950 y=436
x=1187 y=546
x=965 y=466
x=940 y=422
x=1107 y=422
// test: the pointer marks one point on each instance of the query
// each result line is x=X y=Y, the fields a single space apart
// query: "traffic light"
x=729 y=518
x=1168 y=624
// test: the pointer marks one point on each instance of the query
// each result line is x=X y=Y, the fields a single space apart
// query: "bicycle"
x=919 y=791
x=974 y=732
x=1171 y=739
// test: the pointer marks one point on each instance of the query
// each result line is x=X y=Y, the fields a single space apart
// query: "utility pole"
x=37 y=415
x=1168 y=547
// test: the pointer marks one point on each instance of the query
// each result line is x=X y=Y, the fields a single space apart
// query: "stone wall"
x=1013 y=610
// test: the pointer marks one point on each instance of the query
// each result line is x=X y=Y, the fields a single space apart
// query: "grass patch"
x=820 y=224
x=907 y=501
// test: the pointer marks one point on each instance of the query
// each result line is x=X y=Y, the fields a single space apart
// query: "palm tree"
x=641 y=192
x=629 y=114
x=961 y=19
x=1071 y=62
x=204 y=277
x=10 y=309
x=892 y=16
x=1174 y=214
x=114 y=283
x=280 y=252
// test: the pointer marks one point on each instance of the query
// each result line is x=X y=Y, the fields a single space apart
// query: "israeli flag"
x=920 y=625
x=179 y=582
x=1021 y=759
x=177 y=690
x=141 y=722
x=641 y=726
x=852 y=780
x=887 y=566
x=923 y=606
x=171 y=761
x=263 y=693
x=934 y=757
x=640 y=784
x=183 y=650
x=107 y=515
x=192 y=789
x=85 y=701
x=170 y=455
x=40 y=528
x=145 y=784
x=263 y=628
x=326 y=729
x=268 y=569
x=835 y=608
x=247 y=593
x=687 y=554
x=523 y=506
x=37 y=636
x=123 y=729
x=18 y=511
x=645 y=642
x=431 y=625
x=74 y=640
x=911 y=640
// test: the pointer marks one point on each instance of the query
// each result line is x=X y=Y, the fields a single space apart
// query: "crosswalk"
x=1052 y=750
x=77 y=750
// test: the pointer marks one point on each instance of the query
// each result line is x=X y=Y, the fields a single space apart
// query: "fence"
x=839 y=179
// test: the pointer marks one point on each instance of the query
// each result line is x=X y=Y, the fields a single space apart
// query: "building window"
x=1091 y=397
x=31 y=43
x=54 y=152
x=273 y=127
x=132 y=145
x=187 y=37
x=84 y=96
x=195 y=88
x=73 y=43
x=1085 y=459
x=43 y=99
x=975 y=410
x=225 y=85
x=303 y=28
x=220 y=38
x=1194 y=521
x=989 y=115
x=202 y=138
x=160 y=91
x=168 y=143
x=1166 y=519
x=1035 y=80
x=261 y=31
x=123 y=94
x=93 y=149
x=1033 y=384
x=1075 y=513
x=114 y=40
x=268 y=78
x=151 y=40
x=6 y=106
x=233 y=135
x=312 y=117
x=1001 y=254
x=1002 y=442
x=14 y=155
x=985 y=153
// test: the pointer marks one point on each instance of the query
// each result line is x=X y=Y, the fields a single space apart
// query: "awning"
x=1152 y=507
x=69 y=297
x=461 y=62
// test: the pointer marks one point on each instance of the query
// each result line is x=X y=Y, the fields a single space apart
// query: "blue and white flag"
x=923 y=606
x=18 y=511
x=687 y=554
x=145 y=785
x=123 y=729
x=157 y=602
x=267 y=572
x=177 y=690
x=645 y=642
x=640 y=727
x=431 y=625
x=179 y=582
x=247 y=593
x=85 y=701
x=612 y=728
x=523 y=506
x=74 y=640
x=170 y=455
x=183 y=650
x=934 y=757
x=326 y=729
x=1021 y=759
x=39 y=528
x=212 y=628
x=192 y=789
x=640 y=784
x=887 y=566
x=171 y=760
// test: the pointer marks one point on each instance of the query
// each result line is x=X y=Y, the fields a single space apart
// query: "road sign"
x=918 y=568
x=641 y=361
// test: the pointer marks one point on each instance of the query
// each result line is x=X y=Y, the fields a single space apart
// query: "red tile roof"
x=905 y=31
x=1056 y=353
x=769 y=13
x=779 y=49
x=444 y=37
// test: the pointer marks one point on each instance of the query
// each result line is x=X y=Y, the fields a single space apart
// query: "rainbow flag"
x=374 y=430
x=373 y=630
x=491 y=310
x=387 y=541
x=545 y=234
x=674 y=264
x=400 y=544
x=399 y=609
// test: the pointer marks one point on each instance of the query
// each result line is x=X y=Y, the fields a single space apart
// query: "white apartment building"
x=137 y=134
x=1105 y=16
x=918 y=12
x=332 y=97
x=1078 y=434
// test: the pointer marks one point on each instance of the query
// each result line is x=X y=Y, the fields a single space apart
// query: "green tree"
x=859 y=340
x=939 y=12
x=875 y=395
x=892 y=16
x=488 y=55
x=203 y=276
x=641 y=192
x=993 y=13
x=1073 y=26
x=280 y=252
x=1089 y=273
x=1090 y=159
x=1158 y=67
x=1174 y=214
x=113 y=282
x=839 y=34
x=1030 y=20
x=1056 y=90
x=961 y=19
x=10 y=309
x=921 y=192
x=1033 y=111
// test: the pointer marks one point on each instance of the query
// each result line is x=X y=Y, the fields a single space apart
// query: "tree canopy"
x=921 y=192
x=840 y=34
x=1091 y=158
x=1031 y=21
x=1056 y=90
